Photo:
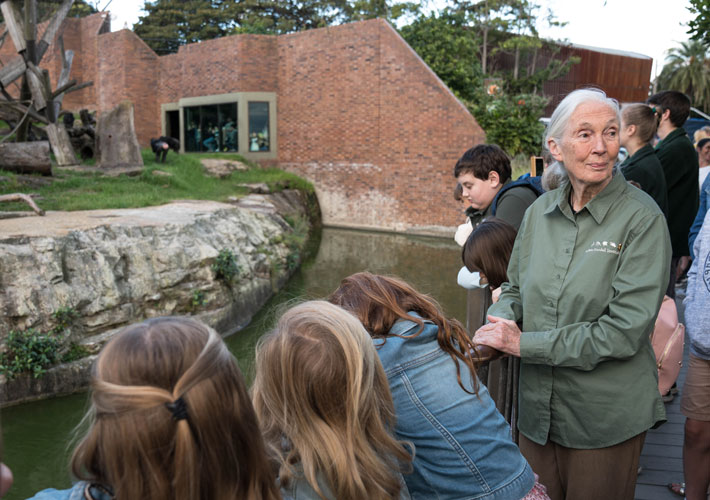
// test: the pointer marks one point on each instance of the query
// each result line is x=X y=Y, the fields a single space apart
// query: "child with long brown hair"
x=487 y=251
x=323 y=402
x=463 y=446
x=170 y=418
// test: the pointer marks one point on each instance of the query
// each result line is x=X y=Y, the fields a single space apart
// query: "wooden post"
x=31 y=30
x=500 y=375
x=13 y=25
x=61 y=145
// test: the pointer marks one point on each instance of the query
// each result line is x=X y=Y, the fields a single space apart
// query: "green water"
x=36 y=435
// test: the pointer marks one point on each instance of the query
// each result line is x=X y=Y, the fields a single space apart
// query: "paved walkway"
x=662 y=455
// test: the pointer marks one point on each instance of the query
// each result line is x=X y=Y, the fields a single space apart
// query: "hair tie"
x=178 y=409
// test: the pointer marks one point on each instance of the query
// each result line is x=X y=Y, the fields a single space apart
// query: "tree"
x=699 y=28
x=167 y=24
x=687 y=69
x=450 y=47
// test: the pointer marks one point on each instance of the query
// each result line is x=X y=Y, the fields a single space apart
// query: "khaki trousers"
x=599 y=474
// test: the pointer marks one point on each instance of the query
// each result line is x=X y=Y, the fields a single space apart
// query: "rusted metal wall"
x=625 y=78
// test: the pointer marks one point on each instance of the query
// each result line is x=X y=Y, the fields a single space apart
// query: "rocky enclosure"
x=116 y=267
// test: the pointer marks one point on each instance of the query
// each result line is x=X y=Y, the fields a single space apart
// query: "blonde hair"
x=644 y=117
x=138 y=444
x=323 y=401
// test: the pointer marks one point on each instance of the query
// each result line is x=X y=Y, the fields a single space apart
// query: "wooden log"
x=61 y=145
x=12 y=71
x=52 y=28
x=21 y=108
x=13 y=25
x=23 y=197
x=36 y=83
x=26 y=157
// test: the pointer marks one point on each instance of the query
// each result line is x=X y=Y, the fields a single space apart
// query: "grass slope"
x=90 y=191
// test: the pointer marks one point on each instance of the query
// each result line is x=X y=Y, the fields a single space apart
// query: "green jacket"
x=587 y=289
x=680 y=165
x=645 y=168
x=511 y=206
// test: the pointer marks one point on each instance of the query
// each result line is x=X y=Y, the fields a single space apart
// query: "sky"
x=648 y=27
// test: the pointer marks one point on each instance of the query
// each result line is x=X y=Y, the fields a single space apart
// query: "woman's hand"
x=495 y=295
x=501 y=334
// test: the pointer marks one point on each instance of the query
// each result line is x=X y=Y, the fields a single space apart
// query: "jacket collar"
x=639 y=155
x=598 y=206
x=677 y=133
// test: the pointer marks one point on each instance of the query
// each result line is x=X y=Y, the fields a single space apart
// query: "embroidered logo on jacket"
x=604 y=247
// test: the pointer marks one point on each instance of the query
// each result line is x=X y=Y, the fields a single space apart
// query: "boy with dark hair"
x=680 y=166
x=484 y=174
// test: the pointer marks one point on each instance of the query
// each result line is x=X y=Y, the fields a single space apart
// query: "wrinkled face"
x=479 y=192
x=589 y=145
x=704 y=154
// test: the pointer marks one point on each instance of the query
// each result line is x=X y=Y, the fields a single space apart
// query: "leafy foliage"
x=512 y=122
x=699 y=28
x=198 y=299
x=687 y=69
x=167 y=24
x=450 y=48
x=64 y=317
x=28 y=351
x=74 y=352
x=225 y=266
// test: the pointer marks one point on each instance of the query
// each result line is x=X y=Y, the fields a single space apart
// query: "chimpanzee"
x=161 y=145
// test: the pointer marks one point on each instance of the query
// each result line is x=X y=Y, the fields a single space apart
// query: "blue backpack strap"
x=533 y=183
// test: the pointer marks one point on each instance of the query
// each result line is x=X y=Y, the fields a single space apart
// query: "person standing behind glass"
x=586 y=279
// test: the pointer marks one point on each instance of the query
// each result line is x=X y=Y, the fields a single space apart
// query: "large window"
x=211 y=128
x=240 y=122
x=258 y=126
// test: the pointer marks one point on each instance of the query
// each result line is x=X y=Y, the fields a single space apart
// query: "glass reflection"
x=259 y=126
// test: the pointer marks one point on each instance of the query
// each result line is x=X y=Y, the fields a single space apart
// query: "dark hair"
x=645 y=119
x=380 y=301
x=483 y=159
x=488 y=248
x=676 y=102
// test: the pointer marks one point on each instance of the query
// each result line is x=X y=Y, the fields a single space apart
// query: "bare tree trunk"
x=61 y=145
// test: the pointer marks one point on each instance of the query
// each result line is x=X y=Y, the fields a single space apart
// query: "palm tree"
x=687 y=69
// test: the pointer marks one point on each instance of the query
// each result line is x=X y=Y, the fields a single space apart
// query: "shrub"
x=198 y=299
x=512 y=122
x=64 y=317
x=225 y=266
x=28 y=351
x=76 y=351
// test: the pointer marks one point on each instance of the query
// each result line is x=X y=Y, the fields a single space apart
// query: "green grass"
x=91 y=191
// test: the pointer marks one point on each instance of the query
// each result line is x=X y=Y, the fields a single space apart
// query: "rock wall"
x=116 y=267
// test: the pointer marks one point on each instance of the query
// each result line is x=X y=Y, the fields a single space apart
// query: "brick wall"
x=383 y=132
x=127 y=69
x=359 y=113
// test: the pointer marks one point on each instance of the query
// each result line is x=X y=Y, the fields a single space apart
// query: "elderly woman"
x=586 y=279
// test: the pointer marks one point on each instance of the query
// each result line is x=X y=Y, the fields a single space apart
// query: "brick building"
x=352 y=108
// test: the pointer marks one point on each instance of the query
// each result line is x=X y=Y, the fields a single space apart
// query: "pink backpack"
x=667 y=340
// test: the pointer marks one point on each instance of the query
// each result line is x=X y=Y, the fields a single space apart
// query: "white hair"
x=563 y=112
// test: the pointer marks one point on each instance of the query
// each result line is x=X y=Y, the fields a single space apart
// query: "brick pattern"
x=383 y=131
x=358 y=112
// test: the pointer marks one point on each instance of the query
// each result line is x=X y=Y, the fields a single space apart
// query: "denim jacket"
x=463 y=448
x=74 y=493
